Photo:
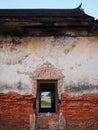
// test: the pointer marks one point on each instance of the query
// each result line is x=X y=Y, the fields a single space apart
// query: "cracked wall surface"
x=75 y=57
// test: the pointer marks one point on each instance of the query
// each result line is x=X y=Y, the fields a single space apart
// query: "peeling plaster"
x=77 y=58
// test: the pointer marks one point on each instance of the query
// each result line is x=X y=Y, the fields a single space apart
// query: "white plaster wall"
x=77 y=58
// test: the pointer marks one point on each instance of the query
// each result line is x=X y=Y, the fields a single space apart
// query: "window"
x=46 y=97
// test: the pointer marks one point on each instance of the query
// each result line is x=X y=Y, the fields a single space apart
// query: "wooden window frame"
x=54 y=100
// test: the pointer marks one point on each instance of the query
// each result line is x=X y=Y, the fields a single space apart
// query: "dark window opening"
x=46 y=97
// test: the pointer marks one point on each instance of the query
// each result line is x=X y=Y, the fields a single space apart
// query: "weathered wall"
x=76 y=58
x=15 y=111
x=81 y=113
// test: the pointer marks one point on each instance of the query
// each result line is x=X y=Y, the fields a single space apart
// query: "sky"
x=90 y=6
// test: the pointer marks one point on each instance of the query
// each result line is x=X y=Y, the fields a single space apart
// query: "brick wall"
x=14 y=111
x=81 y=112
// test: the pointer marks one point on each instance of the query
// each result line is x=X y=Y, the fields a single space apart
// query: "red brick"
x=14 y=111
x=81 y=112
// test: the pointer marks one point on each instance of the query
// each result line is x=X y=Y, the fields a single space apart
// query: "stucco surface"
x=75 y=57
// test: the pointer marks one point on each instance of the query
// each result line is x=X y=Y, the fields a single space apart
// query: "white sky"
x=90 y=6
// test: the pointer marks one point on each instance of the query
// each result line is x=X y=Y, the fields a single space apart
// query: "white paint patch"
x=77 y=58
